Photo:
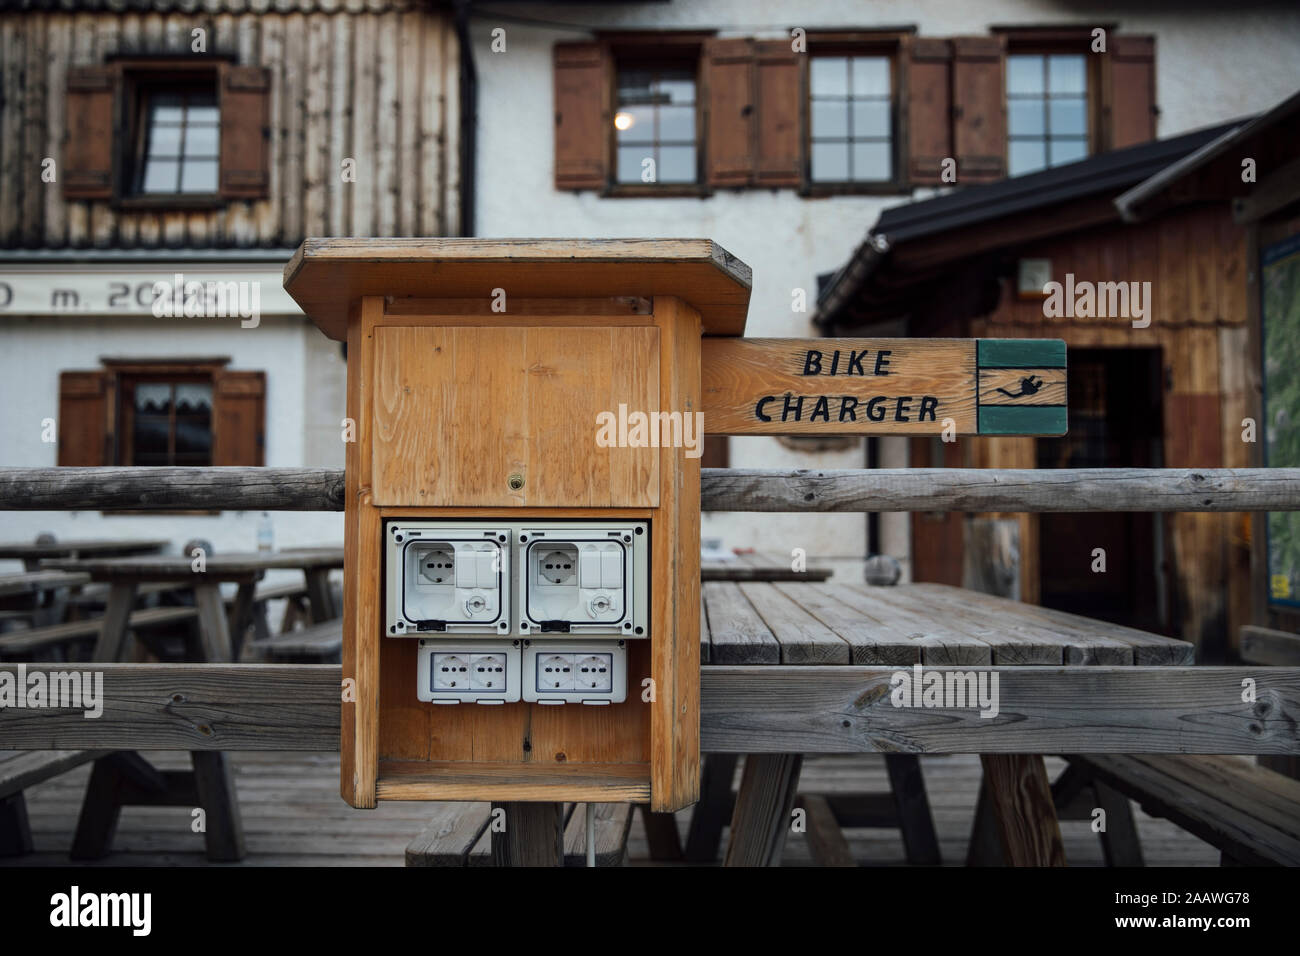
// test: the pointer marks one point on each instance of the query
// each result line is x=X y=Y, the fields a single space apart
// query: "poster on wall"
x=1280 y=274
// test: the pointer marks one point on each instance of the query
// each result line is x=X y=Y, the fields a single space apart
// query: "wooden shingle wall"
x=375 y=82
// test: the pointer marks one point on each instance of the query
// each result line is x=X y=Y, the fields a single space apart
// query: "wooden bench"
x=18 y=771
x=17 y=645
x=459 y=835
x=1251 y=814
x=321 y=643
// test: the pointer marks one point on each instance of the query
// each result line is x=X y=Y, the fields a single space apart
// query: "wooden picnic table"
x=787 y=626
x=120 y=774
x=125 y=575
x=759 y=566
x=37 y=582
x=33 y=553
x=37 y=597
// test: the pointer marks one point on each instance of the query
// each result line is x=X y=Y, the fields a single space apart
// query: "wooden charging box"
x=476 y=371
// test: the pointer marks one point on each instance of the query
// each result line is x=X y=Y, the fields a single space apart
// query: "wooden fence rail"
x=722 y=489
x=742 y=710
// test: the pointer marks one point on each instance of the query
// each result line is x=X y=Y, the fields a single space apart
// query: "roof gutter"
x=1130 y=202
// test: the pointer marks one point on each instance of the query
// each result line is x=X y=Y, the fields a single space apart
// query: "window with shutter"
x=853 y=113
x=729 y=79
x=779 y=80
x=162 y=412
x=1132 y=90
x=240 y=414
x=84 y=416
x=89 y=141
x=979 y=115
x=1047 y=110
x=655 y=124
x=170 y=132
x=582 y=117
x=929 y=109
x=245 y=134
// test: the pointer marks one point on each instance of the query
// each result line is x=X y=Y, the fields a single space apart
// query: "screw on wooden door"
x=515 y=481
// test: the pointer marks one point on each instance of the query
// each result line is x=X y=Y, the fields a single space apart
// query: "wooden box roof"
x=326 y=276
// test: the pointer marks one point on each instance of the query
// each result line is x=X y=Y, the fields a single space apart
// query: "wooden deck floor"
x=293 y=816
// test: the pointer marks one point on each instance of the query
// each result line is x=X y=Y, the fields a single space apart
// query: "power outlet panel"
x=468 y=672
x=574 y=672
x=583 y=578
x=517 y=579
x=448 y=578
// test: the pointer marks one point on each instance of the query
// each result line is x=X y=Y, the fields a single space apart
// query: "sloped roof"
x=1014 y=203
x=1269 y=139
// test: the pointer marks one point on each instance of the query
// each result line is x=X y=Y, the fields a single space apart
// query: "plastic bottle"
x=265 y=534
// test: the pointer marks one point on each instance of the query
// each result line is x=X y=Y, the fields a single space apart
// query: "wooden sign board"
x=884 y=386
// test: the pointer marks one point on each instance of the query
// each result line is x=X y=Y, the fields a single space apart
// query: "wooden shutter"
x=979 y=108
x=1132 y=90
x=89 y=143
x=83 y=418
x=245 y=132
x=779 y=140
x=239 y=418
x=929 y=109
x=583 y=78
x=729 y=130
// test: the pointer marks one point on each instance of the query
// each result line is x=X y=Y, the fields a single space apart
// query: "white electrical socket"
x=593 y=671
x=554 y=672
x=479 y=671
x=497 y=578
x=444 y=578
x=585 y=578
x=578 y=672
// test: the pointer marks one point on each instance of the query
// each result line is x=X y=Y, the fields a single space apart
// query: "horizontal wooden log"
x=768 y=709
x=171 y=489
x=990 y=489
x=722 y=489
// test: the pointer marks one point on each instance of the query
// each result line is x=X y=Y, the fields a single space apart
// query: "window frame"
x=655 y=50
x=887 y=44
x=140 y=76
x=1050 y=41
x=129 y=372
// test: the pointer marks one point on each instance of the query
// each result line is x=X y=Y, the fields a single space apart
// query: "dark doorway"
x=1115 y=422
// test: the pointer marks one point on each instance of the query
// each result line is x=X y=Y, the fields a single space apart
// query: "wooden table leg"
x=533 y=835
x=907 y=786
x=216 y=792
x=15 y=830
x=241 y=616
x=1020 y=800
x=214 y=630
x=714 y=809
x=762 y=818
x=319 y=595
x=117 y=615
